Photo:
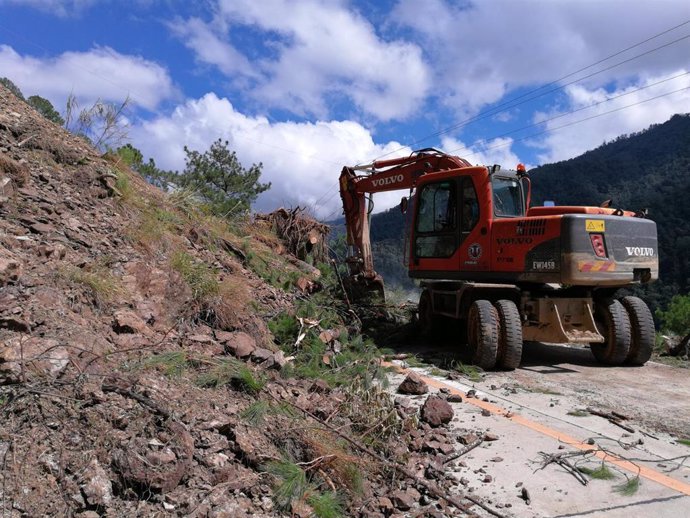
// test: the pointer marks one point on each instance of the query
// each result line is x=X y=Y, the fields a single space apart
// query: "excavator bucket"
x=361 y=289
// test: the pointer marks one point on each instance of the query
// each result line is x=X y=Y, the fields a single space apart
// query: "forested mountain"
x=649 y=169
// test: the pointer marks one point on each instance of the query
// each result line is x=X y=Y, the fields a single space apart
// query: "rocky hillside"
x=157 y=361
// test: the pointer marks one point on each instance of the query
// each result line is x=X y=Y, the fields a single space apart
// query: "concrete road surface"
x=540 y=410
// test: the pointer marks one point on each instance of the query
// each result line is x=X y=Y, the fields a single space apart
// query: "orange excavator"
x=510 y=272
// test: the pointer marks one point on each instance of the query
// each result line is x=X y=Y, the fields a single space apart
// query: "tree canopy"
x=45 y=108
x=219 y=178
x=7 y=83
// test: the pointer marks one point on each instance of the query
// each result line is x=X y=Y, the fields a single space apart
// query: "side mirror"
x=403 y=205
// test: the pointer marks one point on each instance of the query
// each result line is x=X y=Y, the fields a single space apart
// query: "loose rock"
x=436 y=411
x=413 y=384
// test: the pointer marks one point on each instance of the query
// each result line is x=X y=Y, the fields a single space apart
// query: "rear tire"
x=613 y=323
x=482 y=333
x=641 y=330
x=509 y=336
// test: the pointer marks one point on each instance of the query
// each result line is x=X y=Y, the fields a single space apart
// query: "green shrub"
x=232 y=372
x=326 y=505
x=676 y=318
x=200 y=278
x=292 y=482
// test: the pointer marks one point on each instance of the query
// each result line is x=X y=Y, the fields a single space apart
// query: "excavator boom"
x=358 y=183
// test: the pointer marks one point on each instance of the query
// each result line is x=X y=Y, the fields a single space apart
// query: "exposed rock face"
x=27 y=357
x=436 y=411
x=413 y=384
x=161 y=471
x=10 y=268
x=240 y=344
x=97 y=486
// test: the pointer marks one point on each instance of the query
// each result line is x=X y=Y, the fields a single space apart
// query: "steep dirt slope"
x=138 y=376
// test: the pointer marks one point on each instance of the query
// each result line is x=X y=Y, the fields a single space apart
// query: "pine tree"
x=45 y=108
x=218 y=177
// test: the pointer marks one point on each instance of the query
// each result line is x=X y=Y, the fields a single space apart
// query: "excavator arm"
x=359 y=182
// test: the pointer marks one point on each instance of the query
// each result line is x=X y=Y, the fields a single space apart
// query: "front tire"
x=641 y=330
x=482 y=333
x=614 y=324
x=428 y=322
x=510 y=335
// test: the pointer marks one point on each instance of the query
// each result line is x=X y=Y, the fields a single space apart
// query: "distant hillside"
x=648 y=169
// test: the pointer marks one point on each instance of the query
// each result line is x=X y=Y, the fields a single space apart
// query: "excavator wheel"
x=614 y=324
x=509 y=335
x=428 y=322
x=641 y=330
x=482 y=333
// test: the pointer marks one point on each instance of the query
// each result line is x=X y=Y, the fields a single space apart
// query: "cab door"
x=450 y=230
x=436 y=227
x=474 y=248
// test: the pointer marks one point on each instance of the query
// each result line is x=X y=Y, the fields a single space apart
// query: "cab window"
x=508 y=201
x=470 y=206
x=436 y=222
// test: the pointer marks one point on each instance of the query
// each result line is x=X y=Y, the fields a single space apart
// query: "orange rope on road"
x=648 y=473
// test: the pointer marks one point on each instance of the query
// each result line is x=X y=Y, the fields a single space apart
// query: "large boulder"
x=413 y=384
x=436 y=411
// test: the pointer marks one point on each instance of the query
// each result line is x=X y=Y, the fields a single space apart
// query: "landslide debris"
x=156 y=361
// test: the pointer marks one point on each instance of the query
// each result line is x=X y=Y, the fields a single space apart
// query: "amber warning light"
x=521 y=168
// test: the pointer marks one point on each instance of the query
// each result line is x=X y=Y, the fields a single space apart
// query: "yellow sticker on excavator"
x=595 y=225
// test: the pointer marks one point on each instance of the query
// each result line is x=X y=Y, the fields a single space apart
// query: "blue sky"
x=307 y=86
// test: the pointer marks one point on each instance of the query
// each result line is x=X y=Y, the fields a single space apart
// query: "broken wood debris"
x=454 y=500
x=613 y=417
x=562 y=460
x=464 y=450
x=303 y=235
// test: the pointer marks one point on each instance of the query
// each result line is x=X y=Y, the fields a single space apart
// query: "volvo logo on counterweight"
x=639 y=251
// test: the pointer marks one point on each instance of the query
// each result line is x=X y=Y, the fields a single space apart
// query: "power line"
x=608 y=99
x=512 y=104
x=573 y=123
x=598 y=103
x=549 y=130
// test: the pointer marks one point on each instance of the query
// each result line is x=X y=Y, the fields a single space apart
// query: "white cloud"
x=99 y=73
x=302 y=160
x=319 y=53
x=479 y=51
x=210 y=48
x=484 y=152
x=560 y=144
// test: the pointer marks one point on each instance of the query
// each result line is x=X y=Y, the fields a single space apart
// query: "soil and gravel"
x=139 y=375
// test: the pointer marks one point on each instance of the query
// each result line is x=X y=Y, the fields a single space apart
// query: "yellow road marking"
x=643 y=471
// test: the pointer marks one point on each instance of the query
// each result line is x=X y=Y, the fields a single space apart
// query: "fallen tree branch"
x=613 y=418
x=430 y=487
x=463 y=451
x=138 y=397
x=562 y=460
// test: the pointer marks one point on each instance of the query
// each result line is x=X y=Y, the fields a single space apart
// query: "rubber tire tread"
x=642 y=331
x=509 y=335
x=482 y=333
x=614 y=317
x=428 y=323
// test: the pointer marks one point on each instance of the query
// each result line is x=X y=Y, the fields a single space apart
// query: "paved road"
x=538 y=409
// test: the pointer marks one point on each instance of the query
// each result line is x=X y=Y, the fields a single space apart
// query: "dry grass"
x=17 y=172
x=102 y=285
